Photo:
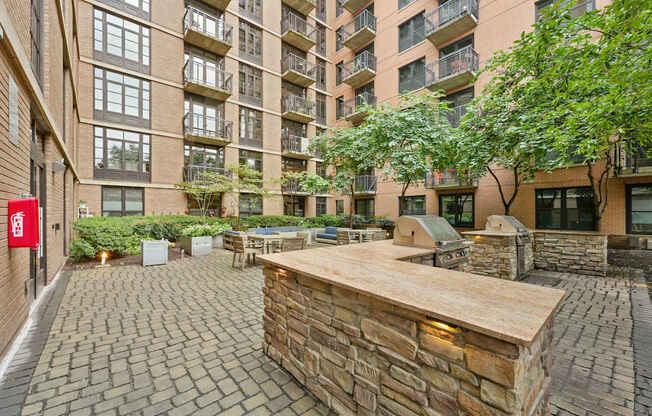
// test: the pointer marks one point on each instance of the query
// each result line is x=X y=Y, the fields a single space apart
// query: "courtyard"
x=185 y=338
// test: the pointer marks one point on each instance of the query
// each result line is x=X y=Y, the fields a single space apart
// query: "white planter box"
x=196 y=246
x=153 y=252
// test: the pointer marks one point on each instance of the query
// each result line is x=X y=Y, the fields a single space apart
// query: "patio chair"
x=346 y=237
x=242 y=250
x=292 y=244
x=366 y=237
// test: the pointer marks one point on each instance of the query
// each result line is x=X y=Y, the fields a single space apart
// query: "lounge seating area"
x=342 y=236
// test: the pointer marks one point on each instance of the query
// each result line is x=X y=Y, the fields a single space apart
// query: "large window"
x=321 y=74
x=250 y=205
x=253 y=9
x=251 y=127
x=120 y=42
x=639 y=209
x=121 y=154
x=339 y=207
x=251 y=42
x=565 y=209
x=320 y=10
x=365 y=207
x=250 y=85
x=320 y=169
x=203 y=156
x=289 y=164
x=412 y=76
x=138 y=8
x=120 y=201
x=411 y=32
x=320 y=100
x=35 y=35
x=121 y=98
x=294 y=206
x=321 y=39
x=338 y=72
x=458 y=209
x=320 y=206
x=339 y=38
x=412 y=205
x=338 y=8
x=253 y=160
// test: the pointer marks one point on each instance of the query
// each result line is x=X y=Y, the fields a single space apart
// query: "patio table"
x=267 y=240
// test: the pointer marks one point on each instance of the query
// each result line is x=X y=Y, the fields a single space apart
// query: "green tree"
x=205 y=188
x=250 y=181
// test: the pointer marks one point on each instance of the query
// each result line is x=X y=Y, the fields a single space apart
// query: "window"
x=138 y=8
x=339 y=33
x=412 y=205
x=293 y=165
x=639 y=209
x=320 y=169
x=338 y=8
x=321 y=39
x=252 y=9
x=366 y=90
x=294 y=206
x=253 y=160
x=575 y=11
x=321 y=74
x=364 y=207
x=121 y=98
x=203 y=156
x=214 y=206
x=412 y=76
x=339 y=207
x=205 y=117
x=250 y=205
x=339 y=69
x=320 y=10
x=251 y=43
x=565 y=209
x=320 y=206
x=120 y=42
x=294 y=128
x=456 y=46
x=250 y=85
x=458 y=209
x=321 y=108
x=339 y=107
x=404 y=3
x=458 y=102
x=411 y=32
x=120 y=201
x=251 y=127
x=121 y=154
x=35 y=35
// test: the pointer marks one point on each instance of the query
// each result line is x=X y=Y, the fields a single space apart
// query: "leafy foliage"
x=205 y=230
x=80 y=250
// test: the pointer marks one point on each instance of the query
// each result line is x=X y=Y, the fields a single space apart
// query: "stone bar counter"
x=370 y=330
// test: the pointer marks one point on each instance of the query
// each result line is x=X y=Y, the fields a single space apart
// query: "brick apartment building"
x=113 y=102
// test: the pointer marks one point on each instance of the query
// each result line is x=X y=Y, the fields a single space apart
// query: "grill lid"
x=423 y=231
x=505 y=224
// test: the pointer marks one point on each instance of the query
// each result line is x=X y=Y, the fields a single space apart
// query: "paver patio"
x=186 y=339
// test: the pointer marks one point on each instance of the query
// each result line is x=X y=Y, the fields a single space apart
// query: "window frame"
x=35 y=33
x=367 y=201
x=320 y=46
x=410 y=24
x=189 y=149
x=252 y=9
x=142 y=174
x=563 y=221
x=629 y=208
x=457 y=197
x=103 y=54
x=320 y=109
x=143 y=10
x=250 y=42
x=250 y=80
x=246 y=117
x=321 y=206
x=245 y=156
x=412 y=65
x=144 y=99
x=292 y=204
x=411 y=198
x=123 y=211
x=253 y=211
x=321 y=80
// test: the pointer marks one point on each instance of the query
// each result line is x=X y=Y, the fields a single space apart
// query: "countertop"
x=507 y=310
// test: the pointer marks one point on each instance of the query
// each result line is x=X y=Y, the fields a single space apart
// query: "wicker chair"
x=379 y=235
x=292 y=244
x=242 y=250
x=346 y=237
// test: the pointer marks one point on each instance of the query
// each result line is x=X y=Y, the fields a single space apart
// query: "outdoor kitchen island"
x=369 y=331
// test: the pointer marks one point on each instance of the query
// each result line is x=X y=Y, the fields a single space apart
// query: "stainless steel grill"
x=429 y=231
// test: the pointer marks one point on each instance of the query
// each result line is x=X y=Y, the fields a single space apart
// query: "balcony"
x=207 y=32
x=359 y=70
x=354 y=5
x=295 y=146
x=452 y=71
x=449 y=179
x=192 y=173
x=208 y=130
x=297 y=32
x=297 y=109
x=635 y=162
x=218 y=4
x=292 y=187
x=298 y=71
x=352 y=110
x=450 y=20
x=302 y=6
x=360 y=31
x=365 y=185
x=207 y=81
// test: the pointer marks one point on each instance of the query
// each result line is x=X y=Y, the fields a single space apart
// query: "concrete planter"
x=153 y=252
x=218 y=241
x=196 y=246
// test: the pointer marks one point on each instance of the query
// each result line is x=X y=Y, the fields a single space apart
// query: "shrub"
x=204 y=230
x=261 y=221
x=81 y=250
x=326 y=220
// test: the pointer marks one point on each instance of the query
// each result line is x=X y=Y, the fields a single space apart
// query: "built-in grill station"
x=503 y=249
x=429 y=231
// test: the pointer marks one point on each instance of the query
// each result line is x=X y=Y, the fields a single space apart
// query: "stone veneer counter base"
x=370 y=334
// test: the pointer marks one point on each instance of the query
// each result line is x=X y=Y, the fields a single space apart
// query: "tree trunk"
x=507 y=204
x=600 y=188
x=400 y=201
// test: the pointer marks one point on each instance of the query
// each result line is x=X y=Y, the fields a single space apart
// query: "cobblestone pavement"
x=186 y=339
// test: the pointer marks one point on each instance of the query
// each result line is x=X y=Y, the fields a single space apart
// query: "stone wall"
x=496 y=255
x=573 y=252
x=363 y=356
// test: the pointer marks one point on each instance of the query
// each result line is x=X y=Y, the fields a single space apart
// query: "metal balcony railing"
x=200 y=125
x=448 y=12
x=209 y=25
x=293 y=143
x=295 y=23
x=365 y=184
x=353 y=105
x=366 y=19
x=464 y=60
x=449 y=178
x=201 y=73
x=366 y=60
x=455 y=115
x=292 y=62
x=195 y=172
x=637 y=158
x=295 y=104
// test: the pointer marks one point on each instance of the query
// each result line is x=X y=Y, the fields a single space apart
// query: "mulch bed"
x=173 y=254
